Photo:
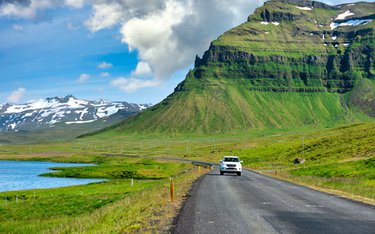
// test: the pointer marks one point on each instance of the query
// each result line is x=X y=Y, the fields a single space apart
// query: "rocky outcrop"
x=307 y=3
x=272 y=16
x=299 y=161
x=315 y=57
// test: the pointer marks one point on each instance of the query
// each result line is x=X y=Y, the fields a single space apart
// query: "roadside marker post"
x=171 y=190
x=303 y=146
x=132 y=182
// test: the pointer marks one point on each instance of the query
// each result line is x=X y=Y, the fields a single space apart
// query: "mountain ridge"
x=283 y=35
x=46 y=113
x=289 y=66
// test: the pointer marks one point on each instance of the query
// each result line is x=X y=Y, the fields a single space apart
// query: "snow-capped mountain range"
x=46 y=113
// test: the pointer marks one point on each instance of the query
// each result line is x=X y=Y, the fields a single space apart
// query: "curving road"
x=254 y=203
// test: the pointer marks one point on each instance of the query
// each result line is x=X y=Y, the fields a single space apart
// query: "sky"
x=120 y=50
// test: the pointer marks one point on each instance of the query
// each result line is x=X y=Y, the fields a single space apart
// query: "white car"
x=230 y=164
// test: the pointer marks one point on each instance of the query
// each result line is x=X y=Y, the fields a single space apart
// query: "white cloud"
x=142 y=70
x=25 y=9
x=105 y=65
x=17 y=27
x=155 y=40
x=137 y=81
x=130 y=85
x=16 y=95
x=105 y=74
x=29 y=9
x=75 y=3
x=83 y=78
x=105 y=15
x=167 y=34
x=16 y=10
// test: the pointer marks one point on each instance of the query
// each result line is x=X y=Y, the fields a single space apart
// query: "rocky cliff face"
x=297 y=46
x=293 y=64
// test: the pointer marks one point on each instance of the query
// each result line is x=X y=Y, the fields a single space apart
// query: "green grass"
x=363 y=169
x=49 y=210
x=223 y=105
x=320 y=147
x=346 y=147
x=363 y=97
x=118 y=168
x=341 y=159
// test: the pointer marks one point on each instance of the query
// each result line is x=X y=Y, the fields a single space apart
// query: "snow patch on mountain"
x=344 y=15
x=304 y=8
x=45 y=113
x=80 y=122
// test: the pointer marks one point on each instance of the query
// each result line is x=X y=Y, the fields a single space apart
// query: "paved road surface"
x=253 y=203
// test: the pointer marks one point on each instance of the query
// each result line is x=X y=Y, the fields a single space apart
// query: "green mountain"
x=292 y=64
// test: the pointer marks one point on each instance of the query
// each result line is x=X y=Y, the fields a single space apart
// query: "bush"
x=125 y=174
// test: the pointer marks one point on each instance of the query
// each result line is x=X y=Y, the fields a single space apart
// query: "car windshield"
x=231 y=160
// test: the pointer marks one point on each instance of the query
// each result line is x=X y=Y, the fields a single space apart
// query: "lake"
x=22 y=175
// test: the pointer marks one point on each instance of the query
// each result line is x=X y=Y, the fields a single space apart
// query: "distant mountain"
x=293 y=64
x=46 y=113
x=60 y=118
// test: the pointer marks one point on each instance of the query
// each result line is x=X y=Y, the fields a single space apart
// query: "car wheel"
x=239 y=173
x=221 y=173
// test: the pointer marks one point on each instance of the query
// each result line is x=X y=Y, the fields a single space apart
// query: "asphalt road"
x=254 y=203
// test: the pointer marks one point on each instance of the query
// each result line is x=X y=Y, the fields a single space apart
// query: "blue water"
x=22 y=175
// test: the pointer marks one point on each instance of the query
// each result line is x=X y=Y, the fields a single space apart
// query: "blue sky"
x=47 y=58
x=55 y=48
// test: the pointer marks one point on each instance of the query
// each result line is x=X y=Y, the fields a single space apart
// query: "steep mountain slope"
x=363 y=97
x=287 y=46
x=292 y=64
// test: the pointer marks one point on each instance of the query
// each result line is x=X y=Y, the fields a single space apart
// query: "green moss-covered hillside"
x=292 y=64
x=297 y=46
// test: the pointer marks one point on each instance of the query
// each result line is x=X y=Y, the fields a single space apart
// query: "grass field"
x=220 y=106
x=111 y=206
x=340 y=159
